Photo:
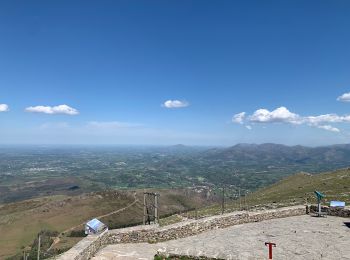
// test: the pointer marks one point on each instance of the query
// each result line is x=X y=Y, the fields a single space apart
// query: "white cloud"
x=238 y=118
x=248 y=127
x=60 y=109
x=175 y=104
x=328 y=128
x=327 y=118
x=4 y=108
x=344 y=98
x=281 y=114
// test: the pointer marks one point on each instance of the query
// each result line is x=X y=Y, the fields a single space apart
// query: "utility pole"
x=149 y=207
x=144 y=208
x=223 y=200
x=239 y=195
x=247 y=202
x=156 y=216
x=38 y=257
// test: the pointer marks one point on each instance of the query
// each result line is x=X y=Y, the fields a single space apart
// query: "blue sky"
x=114 y=64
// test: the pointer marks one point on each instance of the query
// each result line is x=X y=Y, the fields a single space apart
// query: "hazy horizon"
x=156 y=145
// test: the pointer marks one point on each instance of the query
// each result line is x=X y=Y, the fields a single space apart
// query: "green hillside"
x=299 y=188
x=292 y=190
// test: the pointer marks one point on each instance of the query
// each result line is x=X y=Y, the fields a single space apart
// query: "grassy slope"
x=300 y=187
x=21 y=221
x=295 y=189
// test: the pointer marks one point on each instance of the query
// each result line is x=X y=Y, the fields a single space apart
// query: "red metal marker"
x=270 y=248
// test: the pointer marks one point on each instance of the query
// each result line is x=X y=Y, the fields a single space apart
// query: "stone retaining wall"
x=87 y=247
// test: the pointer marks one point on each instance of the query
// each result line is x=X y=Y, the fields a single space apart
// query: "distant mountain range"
x=257 y=165
x=282 y=154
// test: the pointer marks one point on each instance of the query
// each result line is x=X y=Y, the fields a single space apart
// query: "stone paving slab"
x=300 y=237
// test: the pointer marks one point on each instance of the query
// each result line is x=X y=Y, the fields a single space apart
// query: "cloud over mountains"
x=283 y=115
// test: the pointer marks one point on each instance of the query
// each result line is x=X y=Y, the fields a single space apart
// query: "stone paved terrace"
x=89 y=246
x=298 y=237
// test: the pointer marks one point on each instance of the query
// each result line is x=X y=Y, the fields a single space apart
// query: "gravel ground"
x=301 y=237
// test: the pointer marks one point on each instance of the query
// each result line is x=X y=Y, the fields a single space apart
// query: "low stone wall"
x=194 y=227
x=331 y=211
x=177 y=257
x=86 y=248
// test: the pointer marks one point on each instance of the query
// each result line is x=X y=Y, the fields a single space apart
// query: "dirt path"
x=58 y=238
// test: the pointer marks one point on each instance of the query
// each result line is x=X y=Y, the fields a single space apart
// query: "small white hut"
x=95 y=226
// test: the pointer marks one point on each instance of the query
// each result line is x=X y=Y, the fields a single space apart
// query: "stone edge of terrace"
x=89 y=246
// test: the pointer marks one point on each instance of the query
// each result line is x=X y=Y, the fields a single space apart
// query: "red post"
x=270 y=248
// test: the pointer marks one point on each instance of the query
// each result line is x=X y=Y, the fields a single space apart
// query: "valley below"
x=53 y=191
x=37 y=171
